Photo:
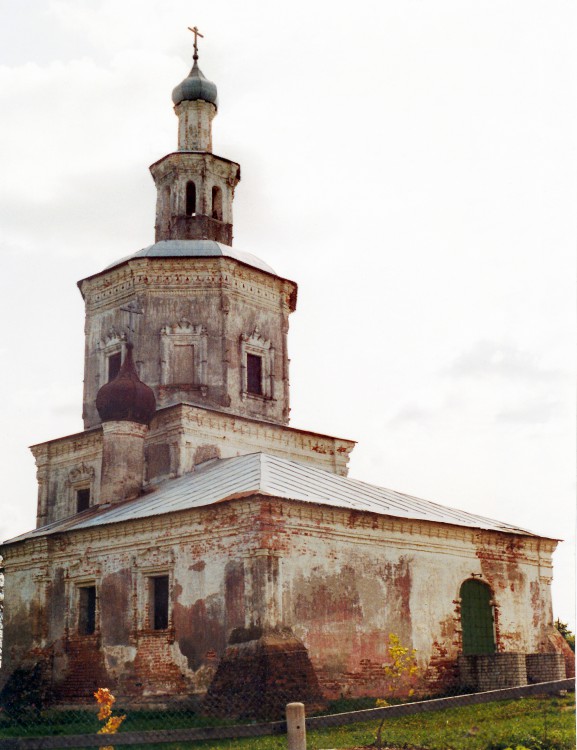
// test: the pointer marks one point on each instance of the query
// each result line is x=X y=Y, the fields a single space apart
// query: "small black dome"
x=126 y=398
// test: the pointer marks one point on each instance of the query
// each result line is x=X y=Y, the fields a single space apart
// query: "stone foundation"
x=545 y=667
x=492 y=671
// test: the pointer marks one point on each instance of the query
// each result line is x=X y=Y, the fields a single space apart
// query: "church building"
x=190 y=545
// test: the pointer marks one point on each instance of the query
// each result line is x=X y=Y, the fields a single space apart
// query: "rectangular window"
x=87 y=610
x=254 y=374
x=82 y=499
x=183 y=364
x=114 y=363
x=159 y=602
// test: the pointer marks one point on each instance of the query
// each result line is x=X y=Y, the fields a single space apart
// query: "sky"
x=411 y=165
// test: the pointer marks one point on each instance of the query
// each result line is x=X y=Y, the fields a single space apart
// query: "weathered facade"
x=188 y=536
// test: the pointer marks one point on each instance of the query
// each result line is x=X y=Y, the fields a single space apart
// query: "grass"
x=536 y=723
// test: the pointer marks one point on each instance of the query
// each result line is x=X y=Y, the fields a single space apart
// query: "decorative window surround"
x=256 y=344
x=82 y=575
x=149 y=564
x=146 y=615
x=113 y=343
x=80 y=478
x=184 y=333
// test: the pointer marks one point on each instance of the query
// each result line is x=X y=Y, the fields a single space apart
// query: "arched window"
x=477 y=621
x=165 y=208
x=190 y=198
x=216 y=203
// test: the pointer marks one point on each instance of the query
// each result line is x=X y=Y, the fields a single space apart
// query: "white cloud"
x=500 y=359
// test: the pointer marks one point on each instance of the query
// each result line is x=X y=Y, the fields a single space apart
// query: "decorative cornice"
x=90 y=440
x=246 y=516
x=167 y=275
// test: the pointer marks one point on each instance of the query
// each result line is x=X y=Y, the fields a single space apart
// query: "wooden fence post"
x=296 y=726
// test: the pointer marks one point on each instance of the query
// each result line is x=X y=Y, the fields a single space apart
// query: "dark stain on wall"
x=115 y=597
x=234 y=595
x=199 y=629
x=328 y=596
x=57 y=605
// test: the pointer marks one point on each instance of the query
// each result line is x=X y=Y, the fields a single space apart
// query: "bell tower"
x=213 y=327
x=195 y=187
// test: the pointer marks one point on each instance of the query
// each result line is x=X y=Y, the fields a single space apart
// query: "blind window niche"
x=182 y=364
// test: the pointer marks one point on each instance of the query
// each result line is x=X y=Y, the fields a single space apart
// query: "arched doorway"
x=477 y=621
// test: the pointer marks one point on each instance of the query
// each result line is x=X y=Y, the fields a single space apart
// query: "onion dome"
x=126 y=398
x=195 y=87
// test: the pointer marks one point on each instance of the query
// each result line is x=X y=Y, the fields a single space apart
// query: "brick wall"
x=545 y=667
x=492 y=671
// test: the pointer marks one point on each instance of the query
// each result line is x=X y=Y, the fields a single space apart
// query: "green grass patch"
x=535 y=723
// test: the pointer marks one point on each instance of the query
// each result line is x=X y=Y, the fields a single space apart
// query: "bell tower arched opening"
x=190 y=198
x=216 y=203
x=477 y=618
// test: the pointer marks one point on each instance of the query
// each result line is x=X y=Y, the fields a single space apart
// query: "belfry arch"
x=477 y=618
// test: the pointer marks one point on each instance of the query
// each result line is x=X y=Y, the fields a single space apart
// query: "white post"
x=295 y=726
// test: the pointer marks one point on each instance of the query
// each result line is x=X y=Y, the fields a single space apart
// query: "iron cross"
x=197 y=34
x=132 y=308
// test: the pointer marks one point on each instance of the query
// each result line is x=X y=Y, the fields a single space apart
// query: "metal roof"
x=195 y=86
x=261 y=473
x=194 y=249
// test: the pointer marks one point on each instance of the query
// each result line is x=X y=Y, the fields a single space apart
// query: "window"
x=254 y=374
x=79 y=487
x=111 y=348
x=159 y=602
x=165 y=208
x=114 y=364
x=257 y=366
x=87 y=610
x=216 y=203
x=82 y=499
x=190 y=198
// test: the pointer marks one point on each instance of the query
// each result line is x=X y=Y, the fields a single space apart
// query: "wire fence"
x=537 y=717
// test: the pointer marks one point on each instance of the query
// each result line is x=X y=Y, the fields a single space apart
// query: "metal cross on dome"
x=132 y=308
x=197 y=34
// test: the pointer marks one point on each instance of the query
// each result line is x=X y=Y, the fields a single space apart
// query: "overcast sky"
x=411 y=164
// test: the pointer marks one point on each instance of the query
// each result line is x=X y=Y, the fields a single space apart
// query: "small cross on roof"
x=197 y=34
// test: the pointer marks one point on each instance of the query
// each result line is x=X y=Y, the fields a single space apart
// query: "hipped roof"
x=262 y=474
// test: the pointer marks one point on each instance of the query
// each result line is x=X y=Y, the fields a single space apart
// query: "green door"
x=477 y=618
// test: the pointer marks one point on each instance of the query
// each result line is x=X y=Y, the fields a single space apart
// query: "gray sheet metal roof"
x=194 y=249
x=225 y=479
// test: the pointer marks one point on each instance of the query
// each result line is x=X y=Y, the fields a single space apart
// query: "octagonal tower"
x=213 y=322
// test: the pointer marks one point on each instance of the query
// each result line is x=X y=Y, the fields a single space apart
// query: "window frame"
x=255 y=344
x=81 y=477
x=114 y=343
x=113 y=356
x=184 y=333
x=79 y=490
x=150 y=609
x=254 y=374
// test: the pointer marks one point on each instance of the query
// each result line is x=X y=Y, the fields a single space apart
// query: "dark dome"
x=126 y=398
x=194 y=87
